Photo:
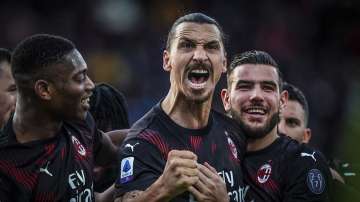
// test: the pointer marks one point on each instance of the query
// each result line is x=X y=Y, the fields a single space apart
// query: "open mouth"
x=256 y=111
x=198 y=78
x=85 y=102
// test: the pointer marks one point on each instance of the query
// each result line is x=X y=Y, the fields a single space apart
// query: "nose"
x=200 y=54
x=89 y=84
x=257 y=94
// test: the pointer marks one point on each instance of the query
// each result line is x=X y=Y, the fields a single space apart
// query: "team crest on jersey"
x=264 y=173
x=78 y=146
x=127 y=169
x=315 y=181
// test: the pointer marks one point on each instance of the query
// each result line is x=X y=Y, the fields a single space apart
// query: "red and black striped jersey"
x=144 y=152
x=54 y=169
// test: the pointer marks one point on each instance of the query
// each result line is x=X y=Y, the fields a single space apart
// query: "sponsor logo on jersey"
x=127 y=169
x=78 y=146
x=45 y=169
x=128 y=145
x=264 y=173
x=315 y=181
x=304 y=154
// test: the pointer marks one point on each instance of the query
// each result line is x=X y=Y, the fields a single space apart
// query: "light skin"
x=292 y=122
x=188 y=103
x=253 y=98
x=7 y=92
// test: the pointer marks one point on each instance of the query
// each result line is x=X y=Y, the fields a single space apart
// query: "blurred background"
x=316 y=43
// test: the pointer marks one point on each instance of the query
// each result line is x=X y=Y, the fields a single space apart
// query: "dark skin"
x=62 y=97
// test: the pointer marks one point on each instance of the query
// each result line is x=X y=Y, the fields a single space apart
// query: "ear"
x=224 y=63
x=166 y=61
x=43 y=89
x=307 y=135
x=284 y=96
x=225 y=99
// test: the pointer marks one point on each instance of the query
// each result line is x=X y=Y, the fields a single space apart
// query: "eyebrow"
x=212 y=42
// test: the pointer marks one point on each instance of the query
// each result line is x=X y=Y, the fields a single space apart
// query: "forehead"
x=5 y=69
x=294 y=109
x=255 y=73
x=200 y=32
x=74 y=62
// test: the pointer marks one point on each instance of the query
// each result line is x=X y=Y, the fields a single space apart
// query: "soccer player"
x=277 y=167
x=49 y=146
x=295 y=115
x=7 y=87
x=181 y=150
x=109 y=109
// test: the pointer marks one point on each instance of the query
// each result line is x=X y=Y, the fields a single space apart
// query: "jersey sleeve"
x=141 y=163
x=307 y=177
x=5 y=189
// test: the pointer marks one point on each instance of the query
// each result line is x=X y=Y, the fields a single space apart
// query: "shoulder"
x=231 y=126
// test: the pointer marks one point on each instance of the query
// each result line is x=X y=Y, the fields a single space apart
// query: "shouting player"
x=181 y=150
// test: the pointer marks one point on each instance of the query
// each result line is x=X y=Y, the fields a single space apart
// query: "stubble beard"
x=258 y=132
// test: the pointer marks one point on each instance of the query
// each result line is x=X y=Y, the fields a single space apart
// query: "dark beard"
x=259 y=132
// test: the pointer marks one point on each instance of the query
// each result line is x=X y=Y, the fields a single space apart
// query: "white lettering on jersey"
x=77 y=179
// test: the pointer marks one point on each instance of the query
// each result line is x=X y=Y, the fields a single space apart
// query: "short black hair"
x=254 y=57
x=109 y=108
x=33 y=56
x=5 y=55
x=199 y=18
x=295 y=94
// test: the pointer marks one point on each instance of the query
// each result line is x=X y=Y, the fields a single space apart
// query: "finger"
x=182 y=154
x=210 y=167
x=206 y=171
x=203 y=184
x=189 y=172
x=179 y=162
x=198 y=195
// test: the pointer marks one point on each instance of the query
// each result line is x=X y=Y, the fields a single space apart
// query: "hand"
x=210 y=187
x=180 y=172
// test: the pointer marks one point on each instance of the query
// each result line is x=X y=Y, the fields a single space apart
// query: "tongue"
x=197 y=80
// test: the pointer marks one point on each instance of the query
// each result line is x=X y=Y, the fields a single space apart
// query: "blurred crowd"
x=316 y=43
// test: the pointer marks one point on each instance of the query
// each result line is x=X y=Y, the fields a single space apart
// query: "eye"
x=243 y=86
x=81 y=77
x=292 y=123
x=12 y=88
x=213 y=46
x=186 y=45
x=269 y=88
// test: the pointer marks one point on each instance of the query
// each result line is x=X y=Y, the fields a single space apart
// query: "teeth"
x=199 y=71
x=85 y=101
x=256 y=111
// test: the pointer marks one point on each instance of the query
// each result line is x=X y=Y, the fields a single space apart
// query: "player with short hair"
x=7 y=87
x=49 y=146
x=168 y=152
x=294 y=117
x=276 y=167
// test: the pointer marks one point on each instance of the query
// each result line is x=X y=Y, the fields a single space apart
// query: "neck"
x=261 y=143
x=186 y=113
x=30 y=123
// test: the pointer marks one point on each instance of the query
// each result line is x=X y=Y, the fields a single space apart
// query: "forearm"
x=157 y=192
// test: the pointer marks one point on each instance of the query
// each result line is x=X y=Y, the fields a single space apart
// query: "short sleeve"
x=308 y=177
x=141 y=164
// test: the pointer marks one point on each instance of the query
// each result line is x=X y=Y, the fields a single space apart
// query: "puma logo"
x=45 y=169
x=131 y=146
x=303 y=154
